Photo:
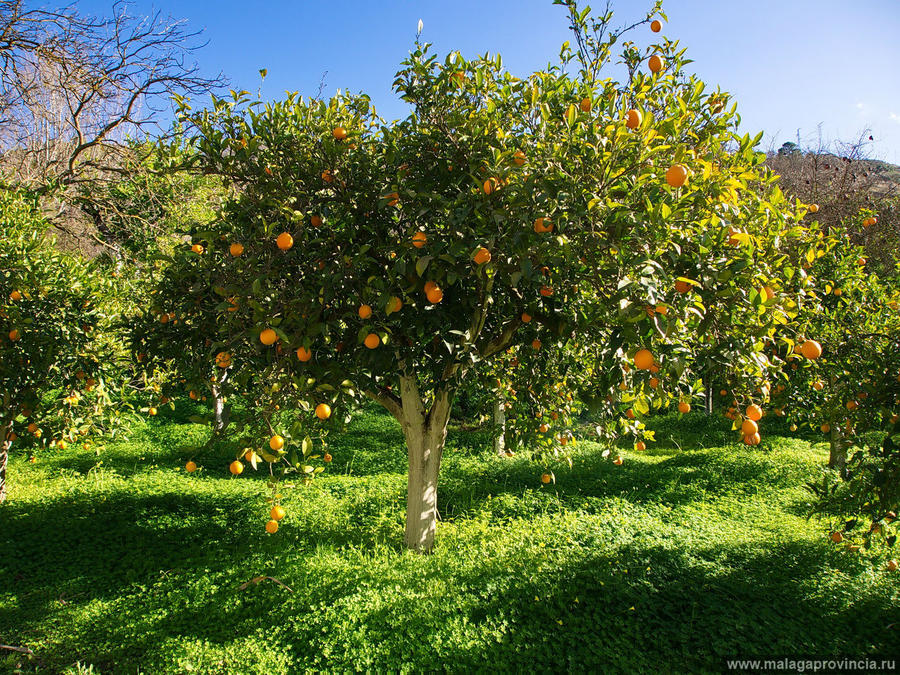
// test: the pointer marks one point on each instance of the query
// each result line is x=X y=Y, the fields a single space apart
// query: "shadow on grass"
x=626 y=611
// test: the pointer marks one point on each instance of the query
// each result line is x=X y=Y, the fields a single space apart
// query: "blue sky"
x=791 y=64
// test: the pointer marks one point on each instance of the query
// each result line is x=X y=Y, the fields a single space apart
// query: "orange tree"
x=51 y=375
x=849 y=392
x=505 y=217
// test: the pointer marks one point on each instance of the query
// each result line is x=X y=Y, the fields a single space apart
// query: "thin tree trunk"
x=709 y=400
x=500 y=426
x=837 y=450
x=222 y=411
x=5 y=444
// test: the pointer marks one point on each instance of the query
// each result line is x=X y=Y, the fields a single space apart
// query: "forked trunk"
x=426 y=434
x=837 y=451
x=500 y=426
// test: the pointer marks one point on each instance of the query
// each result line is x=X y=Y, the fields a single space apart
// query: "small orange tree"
x=51 y=384
x=538 y=214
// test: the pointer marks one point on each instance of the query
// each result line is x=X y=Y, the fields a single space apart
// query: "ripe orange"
x=852 y=405
x=327 y=176
x=429 y=285
x=152 y=412
x=304 y=354
x=284 y=241
x=676 y=176
x=277 y=512
x=630 y=413
x=272 y=526
x=276 y=442
x=14 y=334
x=543 y=428
x=618 y=460
x=892 y=565
x=682 y=286
x=655 y=63
x=813 y=208
x=585 y=105
x=654 y=382
x=236 y=249
x=633 y=119
x=656 y=25
x=546 y=478
x=535 y=344
x=749 y=427
x=542 y=226
x=490 y=185
x=434 y=295
x=268 y=337
x=526 y=317
x=32 y=428
x=640 y=446
x=837 y=537
x=315 y=221
x=372 y=341
x=546 y=291
x=644 y=359
x=861 y=261
x=684 y=407
x=15 y=296
x=223 y=359
x=754 y=412
x=419 y=239
x=323 y=411
x=818 y=385
x=752 y=439
x=197 y=248
x=394 y=304
x=482 y=256
x=518 y=158
x=339 y=133
x=191 y=466
x=811 y=349
x=236 y=467
x=825 y=428
x=365 y=311
x=326 y=458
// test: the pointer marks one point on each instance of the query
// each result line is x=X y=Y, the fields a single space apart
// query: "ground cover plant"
x=123 y=561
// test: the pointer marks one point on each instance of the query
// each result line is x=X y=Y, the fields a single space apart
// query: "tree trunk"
x=709 y=400
x=5 y=444
x=837 y=450
x=500 y=426
x=426 y=434
x=222 y=411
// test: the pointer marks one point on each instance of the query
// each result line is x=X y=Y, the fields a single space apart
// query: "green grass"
x=122 y=562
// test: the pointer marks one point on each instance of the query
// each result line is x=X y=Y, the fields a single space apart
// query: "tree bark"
x=500 y=426
x=5 y=444
x=221 y=410
x=837 y=450
x=425 y=434
x=709 y=400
